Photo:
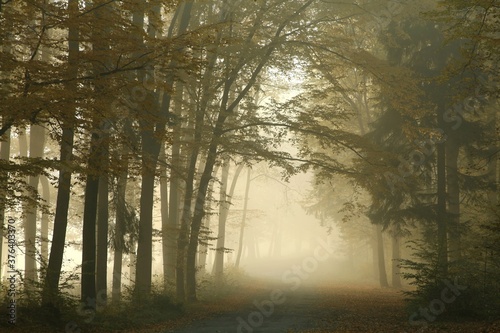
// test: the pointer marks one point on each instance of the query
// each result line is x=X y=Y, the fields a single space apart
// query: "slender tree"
x=50 y=289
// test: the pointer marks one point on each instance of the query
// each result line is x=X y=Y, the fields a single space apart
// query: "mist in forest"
x=250 y=166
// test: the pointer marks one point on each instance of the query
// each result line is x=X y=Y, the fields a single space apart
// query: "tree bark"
x=151 y=143
x=203 y=256
x=396 y=256
x=121 y=190
x=50 y=288
x=243 y=219
x=102 y=236
x=171 y=231
x=164 y=214
x=381 y=258
x=44 y=229
x=4 y=176
x=37 y=144
x=221 y=234
x=88 y=279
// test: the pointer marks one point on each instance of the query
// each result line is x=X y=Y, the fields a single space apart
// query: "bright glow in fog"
x=278 y=233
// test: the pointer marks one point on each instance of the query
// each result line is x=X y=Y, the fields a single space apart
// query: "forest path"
x=323 y=309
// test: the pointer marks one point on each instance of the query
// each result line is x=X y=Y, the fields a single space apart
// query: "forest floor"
x=308 y=309
x=262 y=307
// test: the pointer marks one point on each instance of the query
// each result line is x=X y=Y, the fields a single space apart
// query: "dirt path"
x=321 y=310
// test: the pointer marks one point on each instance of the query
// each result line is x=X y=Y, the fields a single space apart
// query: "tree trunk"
x=203 y=255
x=243 y=219
x=44 y=229
x=164 y=213
x=121 y=190
x=102 y=236
x=101 y=35
x=182 y=241
x=221 y=234
x=29 y=240
x=381 y=258
x=375 y=254
x=144 y=242
x=50 y=288
x=4 y=176
x=88 y=286
x=396 y=278
x=151 y=144
x=175 y=179
x=37 y=144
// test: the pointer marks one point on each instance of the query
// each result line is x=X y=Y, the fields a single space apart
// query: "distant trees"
x=432 y=84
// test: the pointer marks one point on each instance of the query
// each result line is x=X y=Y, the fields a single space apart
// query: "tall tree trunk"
x=44 y=228
x=164 y=214
x=396 y=278
x=243 y=219
x=101 y=50
x=50 y=288
x=223 y=213
x=30 y=249
x=37 y=144
x=151 y=134
x=4 y=176
x=205 y=242
x=221 y=234
x=381 y=258
x=102 y=236
x=375 y=254
x=88 y=286
x=171 y=231
x=183 y=238
x=121 y=191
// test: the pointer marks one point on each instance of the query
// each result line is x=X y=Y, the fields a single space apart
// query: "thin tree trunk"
x=375 y=254
x=175 y=179
x=37 y=144
x=29 y=228
x=381 y=258
x=183 y=239
x=50 y=288
x=44 y=229
x=102 y=237
x=144 y=242
x=221 y=234
x=100 y=48
x=243 y=219
x=203 y=256
x=88 y=286
x=396 y=278
x=164 y=213
x=4 y=176
x=121 y=190
x=151 y=145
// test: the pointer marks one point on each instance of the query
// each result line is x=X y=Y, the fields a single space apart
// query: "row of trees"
x=145 y=94
x=137 y=94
